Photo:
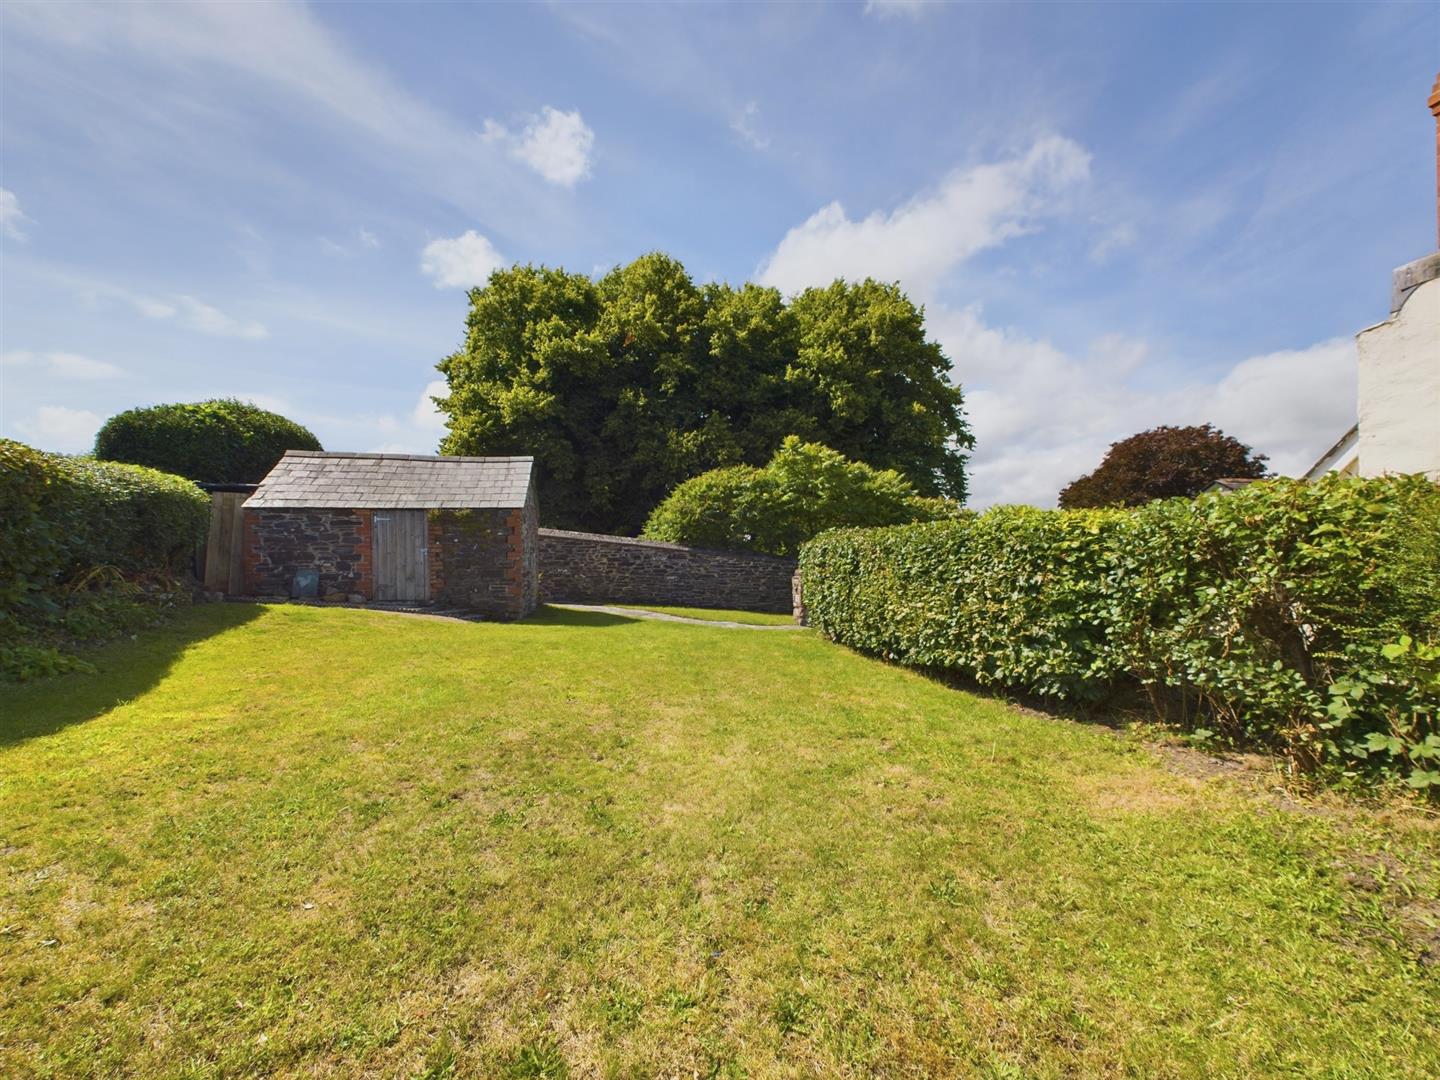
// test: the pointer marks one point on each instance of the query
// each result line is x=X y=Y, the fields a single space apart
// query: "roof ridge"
x=377 y=455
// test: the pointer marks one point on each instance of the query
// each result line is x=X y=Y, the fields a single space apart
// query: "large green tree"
x=625 y=386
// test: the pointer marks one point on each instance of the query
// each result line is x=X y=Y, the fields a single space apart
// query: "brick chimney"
x=1435 y=111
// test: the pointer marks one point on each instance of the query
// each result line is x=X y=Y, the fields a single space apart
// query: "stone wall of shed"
x=484 y=561
x=587 y=568
x=336 y=543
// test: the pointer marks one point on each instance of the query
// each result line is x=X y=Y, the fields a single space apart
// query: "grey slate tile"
x=307 y=478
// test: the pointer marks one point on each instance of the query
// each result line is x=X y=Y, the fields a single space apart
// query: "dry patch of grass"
x=310 y=842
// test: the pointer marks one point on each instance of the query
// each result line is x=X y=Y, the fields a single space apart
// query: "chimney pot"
x=1434 y=104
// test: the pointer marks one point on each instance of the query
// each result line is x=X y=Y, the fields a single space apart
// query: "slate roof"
x=305 y=479
x=1230 y=483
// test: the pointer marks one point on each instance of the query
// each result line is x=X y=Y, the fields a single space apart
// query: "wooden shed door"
x=400 y=568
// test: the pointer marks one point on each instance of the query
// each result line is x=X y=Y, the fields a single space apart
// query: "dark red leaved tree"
x=1162 y=463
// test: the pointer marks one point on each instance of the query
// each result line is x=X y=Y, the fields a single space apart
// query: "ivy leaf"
x=1377 y=740
x=1396 y=649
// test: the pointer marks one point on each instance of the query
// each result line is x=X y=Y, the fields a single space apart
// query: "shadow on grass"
x=550 y=615
x=1117 y=705
x=126 y=670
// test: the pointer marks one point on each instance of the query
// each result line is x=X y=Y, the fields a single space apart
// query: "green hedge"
x=62 y=520
x=1303 y=616
x=221 y=441
x=803 y=490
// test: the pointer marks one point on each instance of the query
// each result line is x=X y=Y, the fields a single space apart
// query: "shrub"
x=222 y=441
x=804 y=489
x=1305 y=617
x=74 y=534
x=1014 y=597
x=31 y=544
x=128 y=516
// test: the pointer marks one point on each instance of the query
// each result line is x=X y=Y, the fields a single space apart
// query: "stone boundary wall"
x=588 y=568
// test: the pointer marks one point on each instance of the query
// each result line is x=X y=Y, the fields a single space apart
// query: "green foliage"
x=1163 y=463
x=625 y=386
x=31 y=550
x=879 y=390
x=74 y=535
x=22 y=662
x=1012 y=597
x=221 y=441
x=127 y=516
x=1398 y=692
x=1300 y=616
x=803 y=490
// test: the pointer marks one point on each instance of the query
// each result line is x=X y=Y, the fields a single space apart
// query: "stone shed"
x=455 y=532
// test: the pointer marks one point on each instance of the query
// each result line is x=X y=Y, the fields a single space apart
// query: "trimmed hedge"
x=1302 y=616
x=803 y=490
x=73 y=526
x=221 y=441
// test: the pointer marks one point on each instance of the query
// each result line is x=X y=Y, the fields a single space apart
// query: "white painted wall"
x=1400 y=388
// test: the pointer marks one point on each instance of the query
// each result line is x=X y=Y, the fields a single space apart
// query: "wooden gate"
x=401 y=570
x=224 y=545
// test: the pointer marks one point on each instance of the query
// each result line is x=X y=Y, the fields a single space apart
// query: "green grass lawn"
x=752 y=618
x=300 y=842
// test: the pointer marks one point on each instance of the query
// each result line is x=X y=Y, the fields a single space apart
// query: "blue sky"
x=1116 y=215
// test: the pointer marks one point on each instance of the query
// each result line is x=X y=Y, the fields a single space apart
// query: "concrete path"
x=660 y=616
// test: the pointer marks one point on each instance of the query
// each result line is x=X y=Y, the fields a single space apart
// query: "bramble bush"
x=1305 y=617
x=221 y=441
x=88 y=549
x=804 y=489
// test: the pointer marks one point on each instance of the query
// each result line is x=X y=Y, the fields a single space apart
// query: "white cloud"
x=918 y=243
x=1114 y=239
x=61 y=429
x=420 y=431
x=1043 y=417
x=426 y=415
x=11 y=216
x=62 y=365
x=187 y=311
x=746 y=125
x=556 y=144
x=364 y=240
x=1291 y=404
x=152 y=308
x=900 y=9
x=460 y=262
x=200 y=316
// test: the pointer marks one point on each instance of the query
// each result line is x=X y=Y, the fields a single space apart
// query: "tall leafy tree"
x=625 y=386
x=878 y=385
x=1162 y=463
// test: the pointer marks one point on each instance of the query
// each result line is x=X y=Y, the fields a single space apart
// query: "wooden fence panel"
x=225 y=544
